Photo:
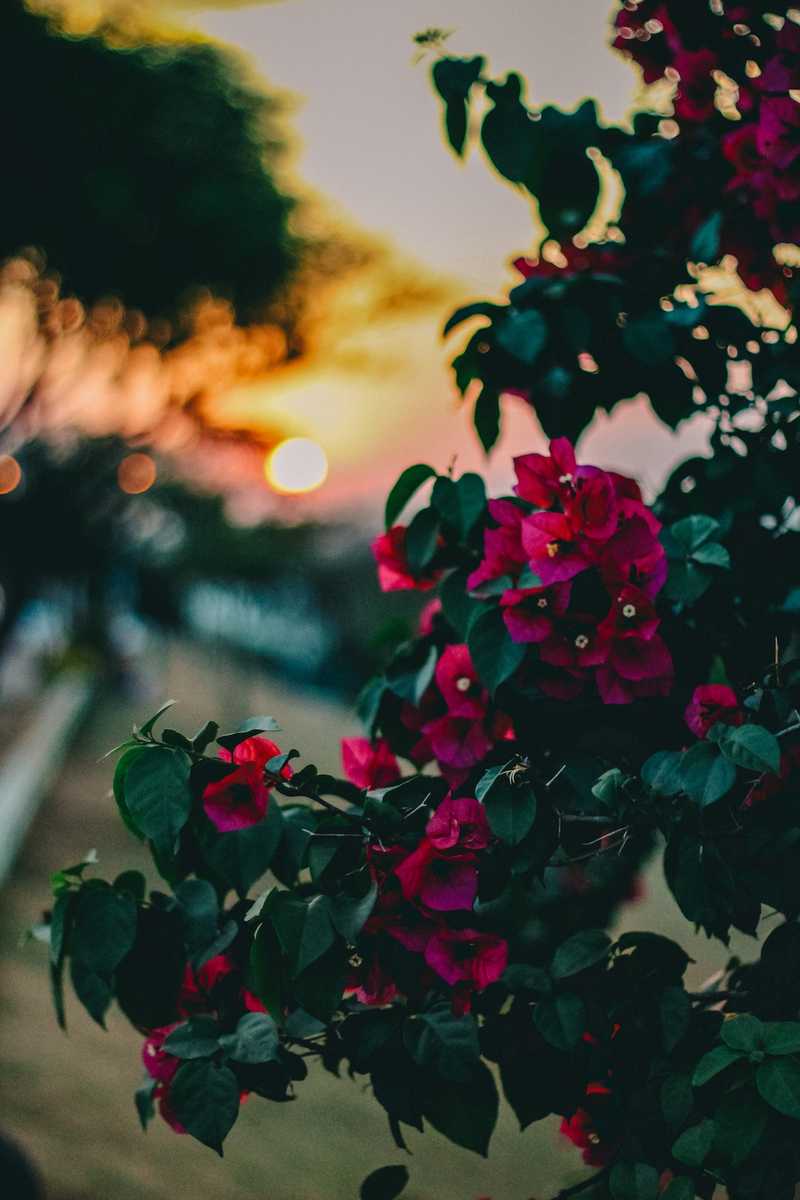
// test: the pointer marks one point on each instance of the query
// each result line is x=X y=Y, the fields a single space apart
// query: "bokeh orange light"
x=136 y=473
x=296 y=465
x=10 y=474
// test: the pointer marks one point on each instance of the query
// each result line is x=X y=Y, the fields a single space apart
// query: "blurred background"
x=230 y=235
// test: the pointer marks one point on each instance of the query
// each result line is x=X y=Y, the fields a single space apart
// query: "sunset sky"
x=366 y=134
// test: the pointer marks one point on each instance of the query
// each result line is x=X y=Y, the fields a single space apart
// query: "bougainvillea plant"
x=594 y=676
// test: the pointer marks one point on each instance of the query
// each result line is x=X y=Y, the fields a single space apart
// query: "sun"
x=296 y=465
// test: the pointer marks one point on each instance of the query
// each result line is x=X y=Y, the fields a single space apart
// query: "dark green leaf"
x=92 y=989
x=132 y=882
x=493 y=653
x=156 y=789
x=522 y=334
x=677 y=1099
x=254 y=725
x=445 y=1043
x=675 y=1013
x=782 y=1037
x=712 y=554
x=561 y=1021
x=742 y=1032
x=481 y=308
x=751 y=747
x=149 y=724
x=143 y=1099
x=580 y=951
x=267 y=969
x=349 y=913
x=741 y=1119
x=104 y=929
x=778 y=1081
x=409 y=482
x=704 y=246
x=694 y=1144
x=59 y=925
x=243 y=855
x=706 y=775
x=661 y=772
x=460 y=502
x=198 y=902
x=318 y=932
x=687 y=581
x=692 y=532
x=487 y=416
x=453 y=79
x=118 y=786
x=255 y=1040
x=511 y=810
x=680 y=1188
x=713 y=1062
x=465 y=1114
x=197 y=1038
x=384 y=1184
x=205 y=1099
x=634 y=1181
x=421 y=540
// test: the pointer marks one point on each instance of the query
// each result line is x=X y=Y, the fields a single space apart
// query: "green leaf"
x=561 y=1021
x=694 y=1144
x=384 y=1184
x=349 y=913
x=481 y=308
x=318 y=933
x=132 y=882
x=243 y=855
x=445 y=1043
x=157 y=794
x=421 y=540
x=59 y=925
x=778 y=1081
x=104 y=929
x=92 y=989
x=254 y=725
x=675 y=1014
x=460 y=502
x=467 y=1114
x=712 y=554
x=706 y=775
x=486 y=417
x=634 y=1181
x=692 y=532
x=147 y=727
x=143 y=1099
x=687 y=581
x=493 y=653
x=712 y=1063
x=704 y=246
x=118 y=786
x=408 y=483
x=490 y=778
x=268 y=969
x=782 y=1037
x=751 y=747
x=649 y=339
x=205 y=1099
x=742 y=1032
x=677 y=1099
x=511 y=810
x=196 y=1038
x=582 y=950
x=200 y=907
x=453 y=79
x=662 y=773
x=523 y=334
x=255 y=1040
x=741 y=1120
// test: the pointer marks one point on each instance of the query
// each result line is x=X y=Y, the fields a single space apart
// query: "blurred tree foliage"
x=141 y=171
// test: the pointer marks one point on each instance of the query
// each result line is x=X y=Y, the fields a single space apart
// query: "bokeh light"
x=10 y=474
x=296 y=465
x=136 y=473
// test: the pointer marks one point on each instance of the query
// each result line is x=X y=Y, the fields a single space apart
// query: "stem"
x=585 y=819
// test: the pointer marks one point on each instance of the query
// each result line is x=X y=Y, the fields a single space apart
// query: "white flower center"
x=552 y=549
x=565 y=479
x=541 y=602
x=463 y=684
x=629 y=610
x=581 y=641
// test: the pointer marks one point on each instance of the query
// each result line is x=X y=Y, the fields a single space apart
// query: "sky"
x=366 y=133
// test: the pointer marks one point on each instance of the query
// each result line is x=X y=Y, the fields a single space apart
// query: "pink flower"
x=712 y=703
x=159 y=1065
x=240 y=798
x=636 y=667
x=575 y=643
x=694 y=100
x=544 y=479
x=467 y=956
x=458 y=682
x=459 y=822
x=394 y=573
x=457 y=741
x=369 y=764
x=502 y=547
x=428 y=615
x=591 y=506
x=442 y=881
x=631 y=615
x=529 y=612
x=551 y=547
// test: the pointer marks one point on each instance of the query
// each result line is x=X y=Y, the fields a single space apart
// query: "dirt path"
x=69 y=1099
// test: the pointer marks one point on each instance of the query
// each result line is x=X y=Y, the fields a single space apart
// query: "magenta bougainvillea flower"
x=530 y=613
x=241 y=797
x=712 y=703
x=369 y=764
x=467 y=956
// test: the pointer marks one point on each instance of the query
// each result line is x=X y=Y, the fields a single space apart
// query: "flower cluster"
x=241 y=796
x=585 y=571
x=732 y=51
x=204 y=991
